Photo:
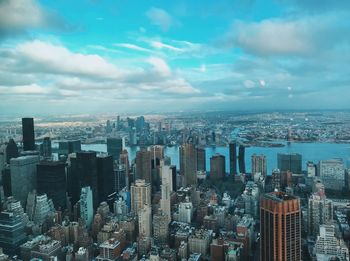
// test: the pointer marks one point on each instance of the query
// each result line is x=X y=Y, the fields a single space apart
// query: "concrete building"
x=28 y=134
x=143 y=165
x=233 y=158
x=320 y=211
x=328 y=246
x=201 y=160
x=39 y=207
x=259 y=165
x=199 y=241
x=332 y=173
x=23 y=176
x=110 y=250
x=160 y=228
x=311 y=169
x=217 y=167
x=140 y=195
x=188 y=164
x=185 y=211
x=86 y=206
x=145 y=221
x=280 y=227
x=115 y=146
x=290 y=162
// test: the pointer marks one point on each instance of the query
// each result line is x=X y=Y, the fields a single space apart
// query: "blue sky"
x=158 y=56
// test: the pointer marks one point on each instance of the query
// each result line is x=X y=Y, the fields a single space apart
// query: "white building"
x=140 y=195
x=185 y=211
x=332 y=173
x=145 y=221
x=86 y=206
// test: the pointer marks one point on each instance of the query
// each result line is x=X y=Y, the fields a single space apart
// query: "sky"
x=118 y=56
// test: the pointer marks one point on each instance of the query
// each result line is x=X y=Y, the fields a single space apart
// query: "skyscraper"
x=143 y=165
x=233 y=158
x=140 y=195
x=332 y=173
x=290 y=162
x=280 y=227
x=201 y=159
x=115 y=147
x=51 y=180
x=23 y=176
x=145 y=221
x=105 y=176
x=259 y=165
x=28 y=134
x=241 y=159
x=165 y=191
x=11 y=150
x=188 y=164
x=217 y=167
x=45 y=148
x=86 y=206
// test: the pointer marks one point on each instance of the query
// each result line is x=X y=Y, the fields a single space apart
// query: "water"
x=309 y=151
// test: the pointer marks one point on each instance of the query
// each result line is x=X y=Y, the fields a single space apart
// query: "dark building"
x=143 y=165
x=69 y=146
x=28 y=134
x=115 y=147
x=11 y=150
x=188 y=164
x=217 y=167
x=233 y=158
x=12 y=233
x=45 y=148
x=105 y=176
x=241 y=158
x=83 y=173
x=140 y=123
x=290 y=162
x=280 y=227
x=201 y=159
x=173 y=176
x=51 y=179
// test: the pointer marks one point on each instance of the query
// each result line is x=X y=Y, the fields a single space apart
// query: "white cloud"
x=262 y=83
x=249 y=84
x=160 y=45
x=159 y=65
x=132 y=47
x=58 y=59
x=24 y=89
x=161 y=18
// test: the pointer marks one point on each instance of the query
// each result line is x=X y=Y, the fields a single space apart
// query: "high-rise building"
x=45 y=148
x=140 y=195
x=201 y=162
x=124 y=162
x=185 y=211
x=39 y=208
x=12 y=233
x=23 y=176
x=320 y=211
x=145 y=221
x=165 y=191
x=188 y=164
x=233 y=158
x=69 y=146
x=83 y=173
x=28 y=134
x=110 y=250
x=280 y=227
x=51 y=180
x=160 y=228
x=217 y=167
x=241 y=158
x=311 y=169
x=289 y=162
x=86 y=206
x=105 y=176
x=332 y=173
x=329 y=247
x=115 y=147
x=259 y=165
x=157 y=154
x=11 y=150
x=143 y=165
x=174 y=177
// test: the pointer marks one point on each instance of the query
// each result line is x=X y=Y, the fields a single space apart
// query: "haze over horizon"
x=135 y=56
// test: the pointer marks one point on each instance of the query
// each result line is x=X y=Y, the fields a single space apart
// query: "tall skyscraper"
x=86 y=206
x=290 y=162
x=105 y=176
x=217 y=167
x=233 y=158
x=280 y=227
x=23 y=176
x=259 y=165
x=320 y=211
x=241 y=159
x=201 y=162
x=145 y=221
x=165 y=191
x=160 y=228
x=51 y=180
x=28 y=134
x=115 y=147
x=140 y=195
x=174 y=177
x=83 y=173
x=143 y=165
x=11 y=150
x=12 y=233
x=188 y=164
x=124 y=162
x=332 y=173
x=45 y=148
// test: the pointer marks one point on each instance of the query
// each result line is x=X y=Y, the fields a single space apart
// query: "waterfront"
x=309 y=151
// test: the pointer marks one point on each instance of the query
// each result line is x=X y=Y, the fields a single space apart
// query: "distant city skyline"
x=60 y=57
